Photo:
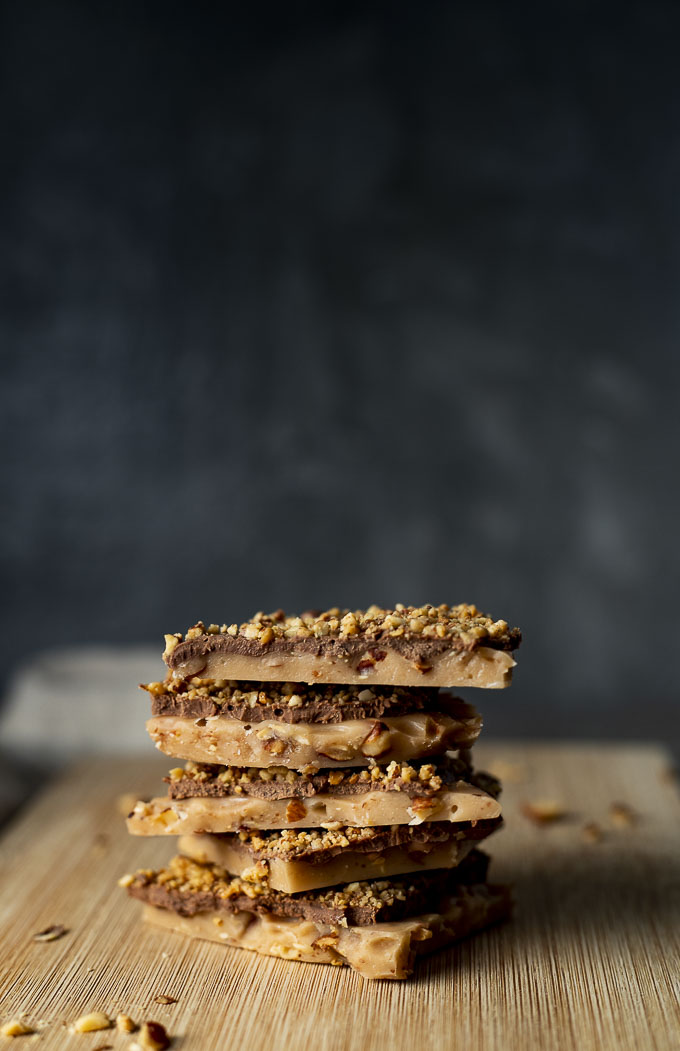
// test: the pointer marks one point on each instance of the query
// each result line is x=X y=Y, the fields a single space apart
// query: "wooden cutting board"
x=591 y=960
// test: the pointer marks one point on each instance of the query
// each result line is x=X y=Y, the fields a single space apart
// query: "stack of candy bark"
x=328 y=809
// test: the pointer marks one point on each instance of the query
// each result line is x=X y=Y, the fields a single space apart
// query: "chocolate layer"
x=422 y=779
x=188 y=888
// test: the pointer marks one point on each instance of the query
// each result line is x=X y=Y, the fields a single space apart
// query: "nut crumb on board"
x=90 y=1023
x=591 y=833
x=50 y=934
x=543 y=811
x=622 y=815
x=15 y=1027
x=163 y=999
x=124 y=1024
x=152 y=1037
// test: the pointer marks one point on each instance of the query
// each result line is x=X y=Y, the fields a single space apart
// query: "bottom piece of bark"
x=382 y=950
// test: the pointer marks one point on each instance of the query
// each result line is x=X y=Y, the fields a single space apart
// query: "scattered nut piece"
x=103 y=1047
x=543 y=811
x=124 y=1024
x=15 y=1027
x=153 y=1037
x=512 y=773
x=591 y=833
x=127 y=880
x=50 y=934
x=622 y=815
x=163 y=999
x=90 y=1023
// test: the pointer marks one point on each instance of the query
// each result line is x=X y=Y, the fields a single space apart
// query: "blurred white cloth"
x=71 y=703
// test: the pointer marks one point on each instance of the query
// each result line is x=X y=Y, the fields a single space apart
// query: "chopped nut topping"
x=124 y=1024
x=91 y=1022
x=50 y=934
x=463 y=625
x=15 y=1027
x=622 y=815
x=544 y=811
x=126 y=880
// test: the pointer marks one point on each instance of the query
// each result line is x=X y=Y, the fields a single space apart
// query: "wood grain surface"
x=590 y=961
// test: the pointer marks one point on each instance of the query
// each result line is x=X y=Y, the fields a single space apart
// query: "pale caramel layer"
x=484 y=666
x=383 y=950
x=175 y=817
x=294 y=876
x=219 y=739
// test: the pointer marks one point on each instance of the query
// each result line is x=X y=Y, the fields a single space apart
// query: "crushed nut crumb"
x=91 y=1022
x=163 y=999
x=50 y=934
x=544 y=811
x=124 y=1024
x=153 y=1037
x=622 y=815
x=15 y=1027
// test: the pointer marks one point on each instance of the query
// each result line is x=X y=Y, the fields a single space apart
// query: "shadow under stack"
x=328 y=807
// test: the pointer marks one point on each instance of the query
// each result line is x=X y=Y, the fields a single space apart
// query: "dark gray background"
x=343 y=303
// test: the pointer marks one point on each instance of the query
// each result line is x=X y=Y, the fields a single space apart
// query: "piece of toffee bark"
x=407 y=646
x=385 y=949
x=293 y=861
x=189 y=887
x=290 y=702
x=223 y=739
x=313 y=801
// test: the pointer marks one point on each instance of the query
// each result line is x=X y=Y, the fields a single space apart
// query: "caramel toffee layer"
x=170 y=817
x=384 y=950
x=298 y=745
x=293 y=702
x=187 y=888
x=410 y=646
x=277 y=782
